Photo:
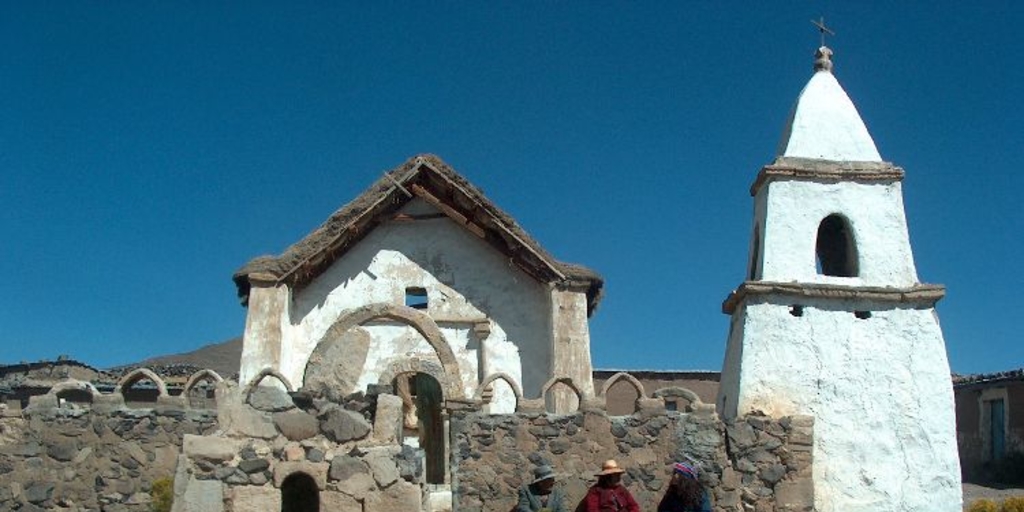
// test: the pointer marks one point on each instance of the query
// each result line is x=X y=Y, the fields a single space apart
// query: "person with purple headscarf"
x=685 y=493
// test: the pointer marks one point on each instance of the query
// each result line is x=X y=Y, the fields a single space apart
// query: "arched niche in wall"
x=678 y=399
x=486 y=390
x=141 y=387
x=561 y=396
x=318 y=379
x=622 y=393
x=200 y=389
x=836 y=248
x=275 y=398
x=74 y=393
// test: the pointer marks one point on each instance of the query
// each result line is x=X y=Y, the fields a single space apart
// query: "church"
x=422 y=275
x=420 y=351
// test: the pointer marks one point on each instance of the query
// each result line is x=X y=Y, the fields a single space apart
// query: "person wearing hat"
x=540 y=494
x=685 y=492
x=608 y=494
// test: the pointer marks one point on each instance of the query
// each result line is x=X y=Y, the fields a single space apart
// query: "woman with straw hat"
x=540 y=494
x=608 y=494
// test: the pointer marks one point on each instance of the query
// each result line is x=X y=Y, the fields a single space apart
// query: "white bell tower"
x=832 y=321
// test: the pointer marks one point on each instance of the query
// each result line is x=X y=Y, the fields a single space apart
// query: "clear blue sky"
x=149 y=149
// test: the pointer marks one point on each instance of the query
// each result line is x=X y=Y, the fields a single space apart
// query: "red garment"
x=610 y=499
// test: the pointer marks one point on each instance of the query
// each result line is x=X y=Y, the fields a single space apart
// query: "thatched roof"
x=428 y=178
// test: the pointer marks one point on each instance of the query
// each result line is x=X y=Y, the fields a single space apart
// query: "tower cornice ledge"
x=921 y=295
x=809 y=169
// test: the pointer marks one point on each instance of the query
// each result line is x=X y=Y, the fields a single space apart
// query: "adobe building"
x=990 y=426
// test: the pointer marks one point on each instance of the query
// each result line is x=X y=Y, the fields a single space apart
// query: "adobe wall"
x=754 y=463
x=972 y=425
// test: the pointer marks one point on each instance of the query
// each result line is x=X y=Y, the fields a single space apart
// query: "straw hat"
x=541 y=473
x=610 y=467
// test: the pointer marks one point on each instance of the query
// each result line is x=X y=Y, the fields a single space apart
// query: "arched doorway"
x=299 y=493
x=423 y=420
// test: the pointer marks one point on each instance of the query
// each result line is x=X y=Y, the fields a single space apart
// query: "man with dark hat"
x=540 y=494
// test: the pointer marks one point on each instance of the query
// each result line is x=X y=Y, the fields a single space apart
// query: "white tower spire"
x=832 y=321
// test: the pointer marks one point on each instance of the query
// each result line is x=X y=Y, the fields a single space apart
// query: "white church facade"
x=419 y=274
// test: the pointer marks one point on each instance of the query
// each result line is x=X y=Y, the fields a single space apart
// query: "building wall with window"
x=989 y=422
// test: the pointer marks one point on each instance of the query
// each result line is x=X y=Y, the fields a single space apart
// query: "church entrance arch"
x=423 y=420
x=321 y=368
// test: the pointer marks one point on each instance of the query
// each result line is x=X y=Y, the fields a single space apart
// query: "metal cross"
x=823 y=29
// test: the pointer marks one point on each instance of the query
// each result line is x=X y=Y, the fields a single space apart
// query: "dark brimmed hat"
x=541 y=473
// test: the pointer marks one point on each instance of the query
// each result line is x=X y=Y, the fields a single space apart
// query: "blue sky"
x=149 y=149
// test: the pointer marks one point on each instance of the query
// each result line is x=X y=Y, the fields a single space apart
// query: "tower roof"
x=824 y=123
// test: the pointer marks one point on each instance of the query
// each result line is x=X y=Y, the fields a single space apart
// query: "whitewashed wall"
x=789 y=234
x=466 y=281
x=879 y=389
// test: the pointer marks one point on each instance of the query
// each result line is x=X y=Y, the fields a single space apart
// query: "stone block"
x=38 y=492
x=293 y=452
x=249 y=422
x=333 y=368
x=741 y=435
x=382 y=466
x=387 y=423
x=794 y=495
x=401 y=497
x=340 y=425
x=253 y=498
x=270 y=399
x=62 y=451
x=211 y=448
x=199 y=496
x=340 y=502
x=316 y=470
x=253 y=465
x=296 y=424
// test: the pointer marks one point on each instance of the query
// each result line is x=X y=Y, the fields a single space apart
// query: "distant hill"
x=223 y=358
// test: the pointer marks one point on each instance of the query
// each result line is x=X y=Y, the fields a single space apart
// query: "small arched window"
x=836 y=248
x=299 y=493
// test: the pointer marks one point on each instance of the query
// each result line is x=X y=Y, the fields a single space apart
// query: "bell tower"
x=833 y=322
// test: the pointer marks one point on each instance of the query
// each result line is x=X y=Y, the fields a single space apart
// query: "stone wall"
x=78 y=459
x=274 y=449
x=750 y=464
x=266 y=446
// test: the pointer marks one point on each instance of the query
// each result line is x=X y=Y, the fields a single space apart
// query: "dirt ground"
x=974 y=492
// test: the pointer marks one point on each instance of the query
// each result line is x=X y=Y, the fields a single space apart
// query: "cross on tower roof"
x=823 y=29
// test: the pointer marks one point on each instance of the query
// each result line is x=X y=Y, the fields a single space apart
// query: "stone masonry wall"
x=78 y=460
x=754 y=463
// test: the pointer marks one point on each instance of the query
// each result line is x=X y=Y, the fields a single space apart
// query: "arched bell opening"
x=836 y=248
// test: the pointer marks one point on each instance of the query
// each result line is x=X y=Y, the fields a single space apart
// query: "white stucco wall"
x=875 y=214
x=467 y=282
x=825 y=124
x=880 y=392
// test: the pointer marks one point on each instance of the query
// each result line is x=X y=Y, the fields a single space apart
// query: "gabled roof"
x=430 y=179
